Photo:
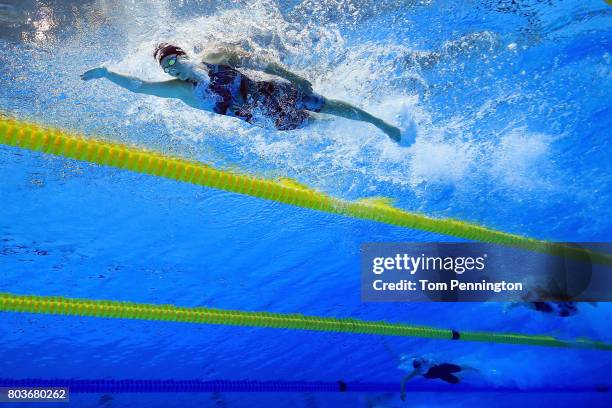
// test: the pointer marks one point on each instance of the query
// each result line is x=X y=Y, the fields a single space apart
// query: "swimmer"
x=283 y=101
x=549 y=301
x=561 y=309
x=427 y=368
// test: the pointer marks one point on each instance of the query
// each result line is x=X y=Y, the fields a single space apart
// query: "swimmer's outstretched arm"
x=175 y=88
x=346 y=110
x=404 y=381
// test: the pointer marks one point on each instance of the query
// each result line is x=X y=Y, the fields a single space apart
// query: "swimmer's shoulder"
x=184 y=91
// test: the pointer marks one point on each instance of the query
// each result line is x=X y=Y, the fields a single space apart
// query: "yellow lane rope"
x=54 y=305
x=60 y=143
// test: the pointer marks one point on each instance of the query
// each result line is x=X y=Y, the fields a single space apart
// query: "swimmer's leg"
x=450 y=378
x=542 y=307
x=348 y=111
x=444 y=372
x=403 y=384
x=468 y=368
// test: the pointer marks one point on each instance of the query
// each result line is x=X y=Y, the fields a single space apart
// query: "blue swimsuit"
x=275 y=102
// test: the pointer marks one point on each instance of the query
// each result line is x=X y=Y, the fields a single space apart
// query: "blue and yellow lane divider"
x=54 y=305
x=61 y=143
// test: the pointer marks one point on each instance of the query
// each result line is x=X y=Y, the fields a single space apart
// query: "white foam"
x=407 y=123
x=441 y=161
x=521 y=158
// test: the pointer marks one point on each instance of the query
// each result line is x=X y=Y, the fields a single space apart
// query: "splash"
x=478 y=112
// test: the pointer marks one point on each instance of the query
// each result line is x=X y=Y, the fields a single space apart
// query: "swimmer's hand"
x=394 y=133
x=94 y=73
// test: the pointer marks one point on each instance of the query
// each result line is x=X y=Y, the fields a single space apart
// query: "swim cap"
x=164 y=49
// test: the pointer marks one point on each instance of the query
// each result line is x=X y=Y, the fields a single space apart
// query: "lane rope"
x=87 y=386
x=127 y=310
x=61 y=143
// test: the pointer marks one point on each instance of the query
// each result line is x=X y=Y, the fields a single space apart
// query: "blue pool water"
x=510 y=104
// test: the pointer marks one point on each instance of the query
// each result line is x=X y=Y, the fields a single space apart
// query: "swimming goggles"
x=171 y=62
